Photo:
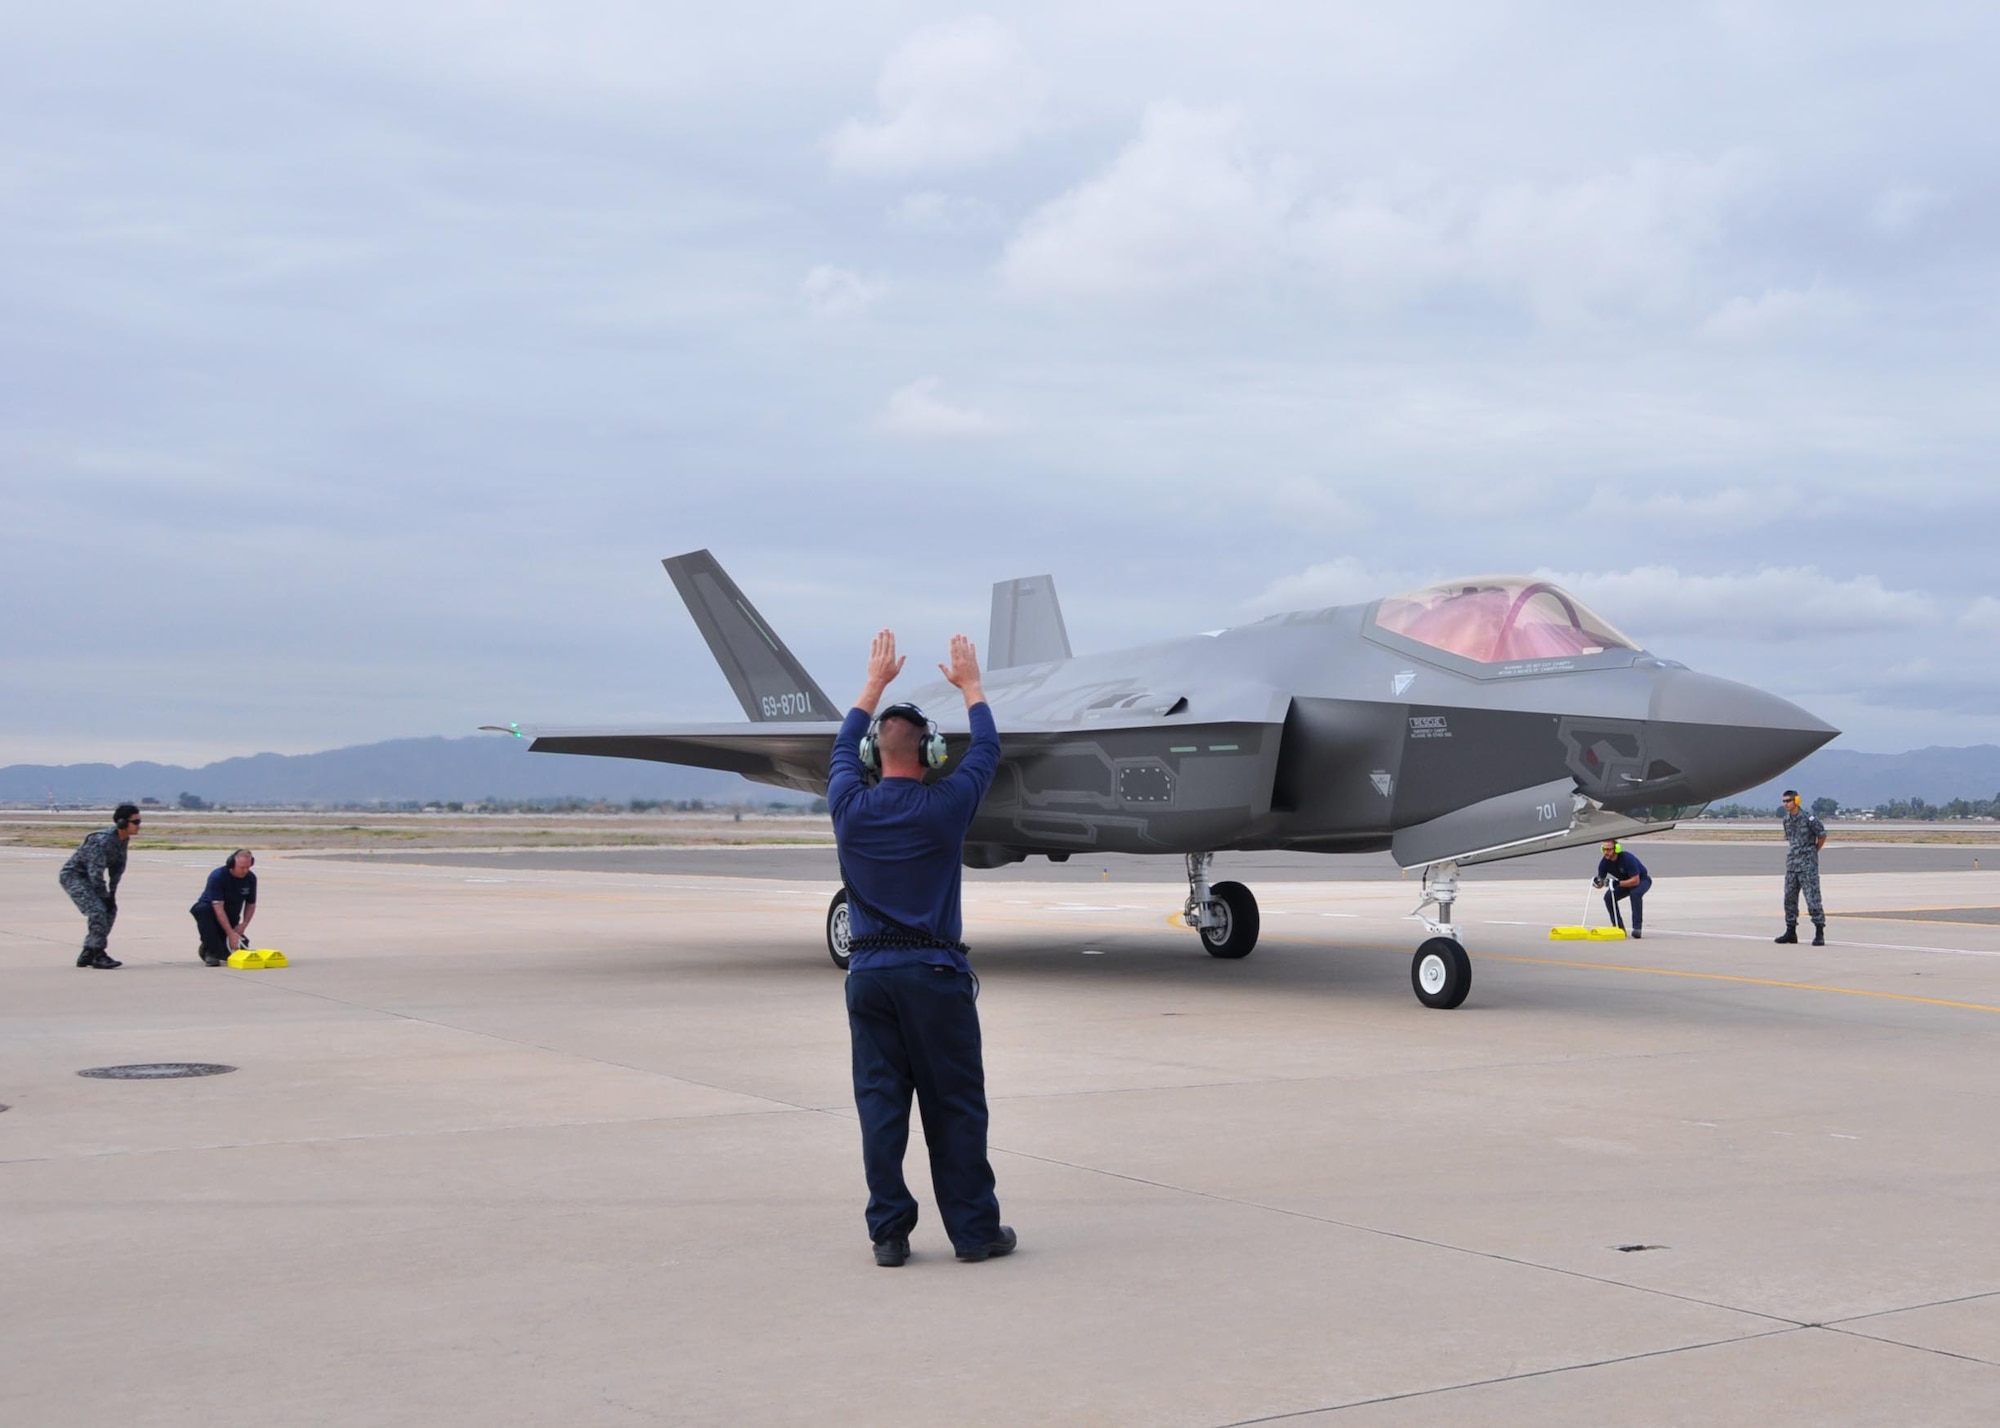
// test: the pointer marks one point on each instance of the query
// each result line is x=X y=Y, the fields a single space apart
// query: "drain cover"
x=156 y=1071
x=1636 y=1249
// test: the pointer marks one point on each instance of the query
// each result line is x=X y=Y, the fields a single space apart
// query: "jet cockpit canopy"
x=1499 y=620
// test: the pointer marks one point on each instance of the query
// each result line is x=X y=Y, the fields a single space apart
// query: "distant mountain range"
x=397 y=771
x=469 y=770
x=1936 y=775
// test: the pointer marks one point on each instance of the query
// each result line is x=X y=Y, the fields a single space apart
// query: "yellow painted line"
x=1747 y=981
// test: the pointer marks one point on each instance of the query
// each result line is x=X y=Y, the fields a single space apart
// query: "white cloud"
x=1302 y=500
x=1735 y=508
x=836 y=292
x=942 y=213
x=1779 y=311
x=1192 y=204
x=1773 y=604
x=1903 y=209
x=1342 y=581
x=1629 y=236
x=952 y=95
x=1982 y=616
x=1184 y=206
x=918 y=413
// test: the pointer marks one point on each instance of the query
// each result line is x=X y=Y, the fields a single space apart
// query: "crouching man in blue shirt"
x=911 y=996
x=1621 y=876
x=223 y=911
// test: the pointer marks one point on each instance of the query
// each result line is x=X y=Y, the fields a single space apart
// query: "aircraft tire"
x=836 y=929
x=1441 y=973
x=1235 y=938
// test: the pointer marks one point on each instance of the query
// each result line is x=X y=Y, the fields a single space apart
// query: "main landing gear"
x=1440 y=973
x=838 y=936
x=1225 y=914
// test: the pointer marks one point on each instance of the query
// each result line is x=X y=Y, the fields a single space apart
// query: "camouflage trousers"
x=1804 y=880
x=98 y=915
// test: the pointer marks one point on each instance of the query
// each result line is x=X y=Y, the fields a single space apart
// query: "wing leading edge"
x=785 y=755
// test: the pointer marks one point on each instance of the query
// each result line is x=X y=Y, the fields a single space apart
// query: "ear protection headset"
x=931 y=752
x=1616 y=847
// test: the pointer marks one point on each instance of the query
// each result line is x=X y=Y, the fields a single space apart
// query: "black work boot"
x=1790 y=934
x=1819 y=934
x=86 y=958
x=893 y=1251
x=104 y=962
x=994 y=1249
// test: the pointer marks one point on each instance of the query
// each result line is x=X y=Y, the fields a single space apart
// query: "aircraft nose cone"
x=1727 y=737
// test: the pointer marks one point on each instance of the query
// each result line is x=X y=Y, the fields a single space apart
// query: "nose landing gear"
x=1440 y=973
x=1225 y=914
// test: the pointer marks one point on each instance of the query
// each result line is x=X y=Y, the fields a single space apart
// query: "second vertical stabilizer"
x=1027 y=624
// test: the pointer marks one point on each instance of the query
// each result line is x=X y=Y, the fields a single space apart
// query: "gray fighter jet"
x=1454 y=725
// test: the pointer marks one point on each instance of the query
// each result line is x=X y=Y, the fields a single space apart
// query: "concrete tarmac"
x=560 y=1146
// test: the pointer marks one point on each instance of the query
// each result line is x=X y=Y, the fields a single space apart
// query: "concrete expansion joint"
x=1552 y=1372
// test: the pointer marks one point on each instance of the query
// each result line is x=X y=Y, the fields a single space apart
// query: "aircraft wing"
x=796 y=754
x=787 y=755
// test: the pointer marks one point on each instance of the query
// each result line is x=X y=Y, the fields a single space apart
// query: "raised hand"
x=963 y=671
x=883 y=667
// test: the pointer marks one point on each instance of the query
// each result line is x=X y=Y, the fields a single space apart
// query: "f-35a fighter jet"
x=1454 y=725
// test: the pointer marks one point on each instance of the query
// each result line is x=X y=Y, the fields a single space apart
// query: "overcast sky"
x=358 y=364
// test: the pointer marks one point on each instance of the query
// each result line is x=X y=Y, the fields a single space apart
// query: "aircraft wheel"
x=837 y=934
x=1238 y=932
x=1441 y=973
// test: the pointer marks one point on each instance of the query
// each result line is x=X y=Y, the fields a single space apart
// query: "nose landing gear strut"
x=1441 y=973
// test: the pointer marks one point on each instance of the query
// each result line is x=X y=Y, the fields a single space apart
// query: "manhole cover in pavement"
x=156 y=1071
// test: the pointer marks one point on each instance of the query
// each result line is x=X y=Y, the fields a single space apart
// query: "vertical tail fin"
x=1027 y=624
x=769 y=682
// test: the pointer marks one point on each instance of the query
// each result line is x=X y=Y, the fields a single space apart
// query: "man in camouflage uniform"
x=90 y=877
x=1805 y=835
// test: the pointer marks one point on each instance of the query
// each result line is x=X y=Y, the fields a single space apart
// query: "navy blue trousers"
x=916 y=1029
x=1638 y=895
x=214 y=941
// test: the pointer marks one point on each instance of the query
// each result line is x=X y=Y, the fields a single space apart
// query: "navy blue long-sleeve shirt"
x=901 y=841
x=1622 y=867
x=232 y=892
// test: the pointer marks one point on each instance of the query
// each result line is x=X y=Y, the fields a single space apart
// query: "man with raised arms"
x=912 y=1009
